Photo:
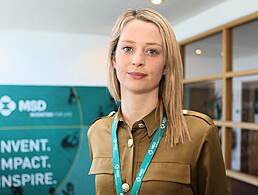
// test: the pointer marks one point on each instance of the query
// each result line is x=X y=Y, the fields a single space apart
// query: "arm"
x=211 y=171
x=89 y=143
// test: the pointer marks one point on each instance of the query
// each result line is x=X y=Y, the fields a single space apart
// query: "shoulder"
x=99 y=136
x=200 y=125
x=101 y=125
x=193 y=115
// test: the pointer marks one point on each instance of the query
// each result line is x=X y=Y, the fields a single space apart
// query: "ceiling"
x=87 y=16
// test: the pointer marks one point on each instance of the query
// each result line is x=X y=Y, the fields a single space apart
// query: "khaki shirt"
x=193 y=168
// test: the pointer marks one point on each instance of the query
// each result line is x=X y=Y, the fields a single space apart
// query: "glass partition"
x=205 y=97
x=245 y=46
x=245 y=99
x=244 y=155
x=204 y=55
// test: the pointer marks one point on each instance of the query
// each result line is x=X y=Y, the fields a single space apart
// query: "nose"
x=138 y=58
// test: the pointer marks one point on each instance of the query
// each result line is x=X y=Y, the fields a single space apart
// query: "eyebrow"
x=149 y=43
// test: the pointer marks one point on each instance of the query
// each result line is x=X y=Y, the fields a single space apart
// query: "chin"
x=141 y=90
x=139 y=87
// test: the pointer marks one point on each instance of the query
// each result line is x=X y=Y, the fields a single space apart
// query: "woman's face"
x=139 y=57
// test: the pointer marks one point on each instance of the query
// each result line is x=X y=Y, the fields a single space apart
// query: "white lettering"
x=24 y=105
x=25 y=178
x=33 y=179
x=16 y=181
x=41 y=105
x=32 y=105
x=6 y=164
x=23 y=145
x=41 y=114
x=14 y=163
x=49 y=178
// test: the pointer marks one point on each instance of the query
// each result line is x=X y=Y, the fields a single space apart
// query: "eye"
x=127 y=49
x=152 y=52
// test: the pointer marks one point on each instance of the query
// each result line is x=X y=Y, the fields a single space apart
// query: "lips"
x=140 y=74
x=137 y=75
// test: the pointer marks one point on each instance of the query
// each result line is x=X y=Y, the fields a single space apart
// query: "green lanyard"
x=145 y=163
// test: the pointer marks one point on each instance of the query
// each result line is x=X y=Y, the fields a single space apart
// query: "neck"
x=135 y=106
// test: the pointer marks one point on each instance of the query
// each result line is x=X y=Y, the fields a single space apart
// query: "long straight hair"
x=171 y=83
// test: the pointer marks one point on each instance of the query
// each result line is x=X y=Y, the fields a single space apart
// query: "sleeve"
x=89 y=143
x=211 y=171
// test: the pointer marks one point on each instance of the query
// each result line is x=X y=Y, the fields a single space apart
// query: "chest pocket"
x=168 y=171
x=165 y=178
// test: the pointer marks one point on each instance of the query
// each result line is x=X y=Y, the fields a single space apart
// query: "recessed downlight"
x=156 y=2
x=198 y=51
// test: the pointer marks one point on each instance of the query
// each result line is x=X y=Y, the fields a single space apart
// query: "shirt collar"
x=151 y=120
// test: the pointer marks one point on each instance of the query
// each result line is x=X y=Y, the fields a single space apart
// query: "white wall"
x=216 y=16
x=40 y=58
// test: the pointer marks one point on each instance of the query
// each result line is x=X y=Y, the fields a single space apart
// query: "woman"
x=151 y=146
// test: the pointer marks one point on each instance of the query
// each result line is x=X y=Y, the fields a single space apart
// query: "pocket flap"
x=174 y=172
x=101 y=166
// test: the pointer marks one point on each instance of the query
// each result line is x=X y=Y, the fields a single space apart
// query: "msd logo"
x=7 y=105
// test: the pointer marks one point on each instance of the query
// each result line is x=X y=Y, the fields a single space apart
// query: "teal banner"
x=43 y=138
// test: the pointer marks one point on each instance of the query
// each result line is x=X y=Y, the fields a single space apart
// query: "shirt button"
x=141 y=125
x=130 y=143
x=125 y=187
x=111 y=113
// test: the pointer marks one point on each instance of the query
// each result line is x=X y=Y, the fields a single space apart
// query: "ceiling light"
x=198 y=51
x=156 y=2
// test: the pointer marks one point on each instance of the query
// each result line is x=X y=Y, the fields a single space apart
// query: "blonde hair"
x=171 y=85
